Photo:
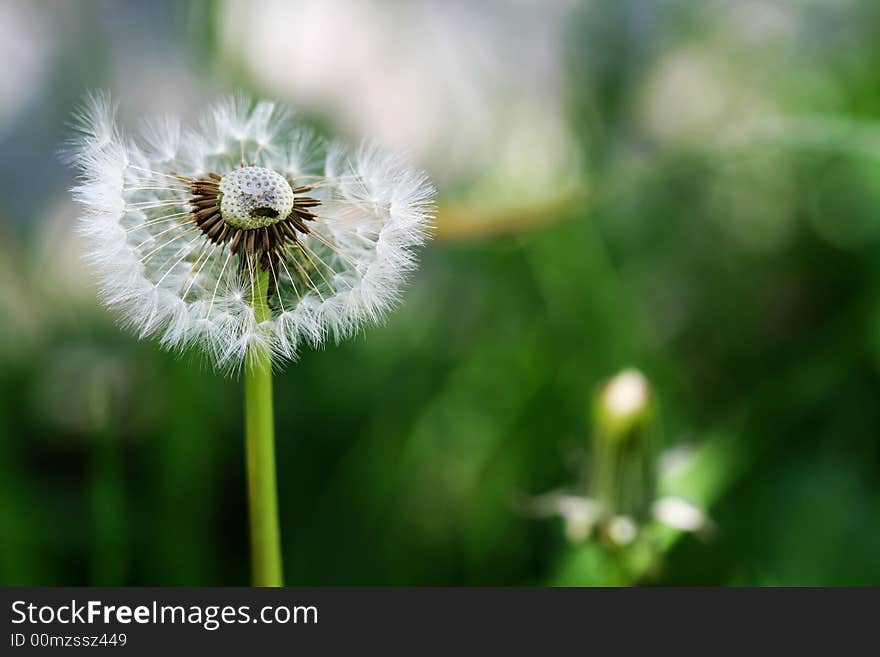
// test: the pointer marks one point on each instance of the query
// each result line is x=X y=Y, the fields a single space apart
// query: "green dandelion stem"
x=260 y=455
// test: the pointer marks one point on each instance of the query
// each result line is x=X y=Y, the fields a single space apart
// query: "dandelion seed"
x=185 y=224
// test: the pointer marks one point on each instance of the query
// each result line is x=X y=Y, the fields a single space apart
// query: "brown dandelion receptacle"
x=253 y=210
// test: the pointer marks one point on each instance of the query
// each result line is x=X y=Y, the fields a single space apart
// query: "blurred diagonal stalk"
x=460 y=222
x=831 y=133
x=260 y=456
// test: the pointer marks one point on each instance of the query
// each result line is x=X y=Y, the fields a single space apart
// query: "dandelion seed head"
x=254 y=197
x=186 y=226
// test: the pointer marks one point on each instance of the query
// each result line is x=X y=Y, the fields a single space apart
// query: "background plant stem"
x=260 y=455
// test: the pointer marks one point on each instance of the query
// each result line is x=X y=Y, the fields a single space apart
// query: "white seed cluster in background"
x=254 y=197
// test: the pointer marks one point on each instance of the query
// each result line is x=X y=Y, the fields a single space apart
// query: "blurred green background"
x=691 y=188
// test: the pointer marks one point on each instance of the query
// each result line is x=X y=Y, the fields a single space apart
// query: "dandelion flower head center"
x=254 y=197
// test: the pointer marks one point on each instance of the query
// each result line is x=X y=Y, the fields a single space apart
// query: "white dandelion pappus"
x=183 y=226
